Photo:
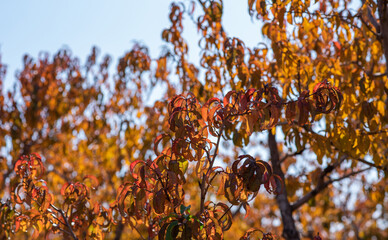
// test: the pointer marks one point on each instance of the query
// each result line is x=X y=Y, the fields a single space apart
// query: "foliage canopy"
x=85 y=155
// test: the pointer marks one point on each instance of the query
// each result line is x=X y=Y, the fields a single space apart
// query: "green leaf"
x=169 y=229
x=184 y=208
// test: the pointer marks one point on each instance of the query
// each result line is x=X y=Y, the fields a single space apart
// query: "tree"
x=87 y=156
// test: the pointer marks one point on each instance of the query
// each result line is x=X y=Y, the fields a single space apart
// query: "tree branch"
x=292 y=155
x=66 y=221
x=371 y=18
x=349 y=175
x=320 y=187
x=237 y=211
x=377 y=75
x=205 y=175
x=384 y=168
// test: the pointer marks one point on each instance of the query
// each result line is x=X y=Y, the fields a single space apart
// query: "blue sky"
x=47 y=25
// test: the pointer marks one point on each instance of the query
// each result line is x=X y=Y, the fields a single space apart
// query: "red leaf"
x=93 y=179
x=291 y=112
x=157 y=140
x=159 y=201
x=337 y=45
x=133 y=165
x=227 y=97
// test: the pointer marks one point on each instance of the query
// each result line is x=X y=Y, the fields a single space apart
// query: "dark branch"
x=292 y=155
x=66 y=221
x=384 y=168
x=371 y=18
x=349 y=175
x=206 y=175
x=321 y=186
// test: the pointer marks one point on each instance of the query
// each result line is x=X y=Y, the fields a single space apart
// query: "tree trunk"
x=289 y=229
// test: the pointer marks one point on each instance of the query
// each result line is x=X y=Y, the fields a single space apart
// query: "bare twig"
x=237 y=211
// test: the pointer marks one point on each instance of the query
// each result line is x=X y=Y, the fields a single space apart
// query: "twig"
x=226 y=212
x=320 y=185
x=371 y=18
x=62 y=214
x=237 y=211
x=137 y=230
x=379 y=75
x=211 y=180
x=292 y=155
x=349 y=175
x=66 y=221
x=204 y=176
x=160 y=180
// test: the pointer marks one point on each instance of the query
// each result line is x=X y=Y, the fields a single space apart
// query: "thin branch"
x=377 y=75
x=349 y=155
x=371 y=18
x=308 y=196
x=66 y=221
x=369 y=27
x=376 y=132
x=321 y=186
x=160 y=180
x=55 y=216
x=299 y=86
x=361 y=160
x=370 y=164
x=205 y=176
x=349 y=175
x=237 y=211
x=62 y=214
x=211 y=180
x=63 y=230
x=292 y=155
x=137 y=230
x=226 y=212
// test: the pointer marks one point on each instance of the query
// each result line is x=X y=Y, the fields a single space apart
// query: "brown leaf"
x=159 y=201
x=291 y=112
